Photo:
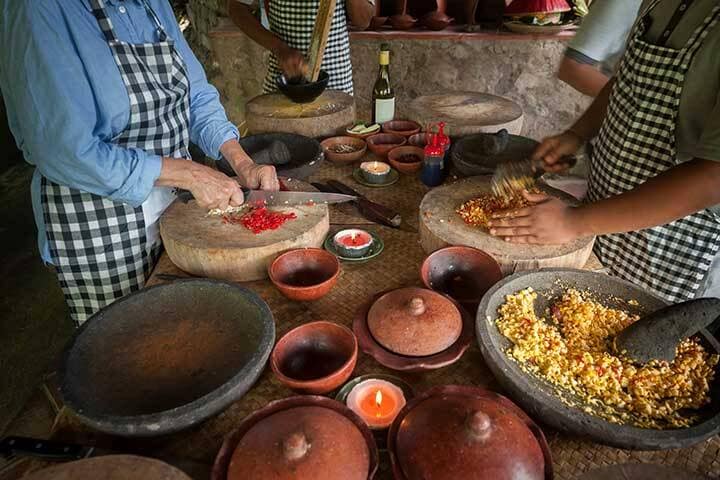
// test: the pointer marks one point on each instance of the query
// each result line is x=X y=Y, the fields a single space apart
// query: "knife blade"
x=284 y=198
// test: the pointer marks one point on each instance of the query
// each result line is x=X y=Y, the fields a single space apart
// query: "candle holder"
x=375 y=172
x=353 y=242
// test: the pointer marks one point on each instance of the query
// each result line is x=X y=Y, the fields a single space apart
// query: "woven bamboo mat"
x=397 y=266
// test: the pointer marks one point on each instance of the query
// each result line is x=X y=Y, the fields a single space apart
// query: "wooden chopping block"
x=327 y=116
x=441 y=226
x=467 y=113
x=203 y=245
x=111 y=467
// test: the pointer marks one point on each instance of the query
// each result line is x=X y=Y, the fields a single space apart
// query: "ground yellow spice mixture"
x=478 y=211
x=573 y=352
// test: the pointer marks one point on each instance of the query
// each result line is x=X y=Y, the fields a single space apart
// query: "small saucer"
x=393 y=177
x=376 y=249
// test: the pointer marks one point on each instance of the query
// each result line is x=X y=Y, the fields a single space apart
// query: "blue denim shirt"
x=66 y=101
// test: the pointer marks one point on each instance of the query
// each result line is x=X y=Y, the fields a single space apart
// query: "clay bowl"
x=359 y=135
x=419 y=139
x=305 y=274
x=381 y=143
x=344 y=158
x=403 y=363
x=463 y=273
x=304 y=92
x=377 y=22
x=435 y=21
x=395 y=155
x=315 y=358
x=405 y=128
x=402 y=22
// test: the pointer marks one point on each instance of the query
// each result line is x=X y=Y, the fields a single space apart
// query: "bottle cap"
x=384 y=47
x=443 y=139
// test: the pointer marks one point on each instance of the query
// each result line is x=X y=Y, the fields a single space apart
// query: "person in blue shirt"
x=104 y=98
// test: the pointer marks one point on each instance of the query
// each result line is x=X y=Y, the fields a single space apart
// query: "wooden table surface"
x=396 y=267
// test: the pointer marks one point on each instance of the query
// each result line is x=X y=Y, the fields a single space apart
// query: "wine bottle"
x=383 y=107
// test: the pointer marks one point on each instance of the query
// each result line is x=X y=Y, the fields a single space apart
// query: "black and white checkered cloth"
x=636 y=143
x=99 y=247
x=293 y=22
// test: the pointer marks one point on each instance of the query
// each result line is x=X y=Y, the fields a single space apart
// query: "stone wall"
x=520 y=69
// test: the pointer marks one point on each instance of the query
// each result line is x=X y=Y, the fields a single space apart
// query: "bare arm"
x=582 y=77
x=292 y=62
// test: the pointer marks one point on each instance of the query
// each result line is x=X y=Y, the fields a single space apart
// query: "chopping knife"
x=14 y=448
x=283 y=198
x=369 y=209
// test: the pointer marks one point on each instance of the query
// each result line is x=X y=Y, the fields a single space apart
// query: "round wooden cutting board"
x=328 y=115
x=441 y=226
x=110 y=467
x=467 y=113
x=203 y=245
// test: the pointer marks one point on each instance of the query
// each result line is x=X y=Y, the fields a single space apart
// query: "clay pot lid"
x=415 y=322
x=453 y=432
x=302 y=442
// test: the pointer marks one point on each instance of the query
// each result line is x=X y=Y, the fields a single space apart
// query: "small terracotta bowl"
x=405 y=128
x=395 y=159
x=463 y=273
x=305 y=274
x=419 y=140
x=360 y=135
x=315 y=358
x=381 y=143
x=402 y=22
x=344 y=158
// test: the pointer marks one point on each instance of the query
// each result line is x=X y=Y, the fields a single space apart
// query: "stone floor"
x=34 y=324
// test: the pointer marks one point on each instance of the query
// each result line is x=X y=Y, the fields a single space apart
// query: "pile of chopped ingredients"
x=259 y=219
x=478 y=211
x=344 y=148
x=572 y=351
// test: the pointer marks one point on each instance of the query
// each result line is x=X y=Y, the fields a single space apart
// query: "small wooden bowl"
x=405 y=128
x=419 y=140
x=344 y=158
x=360 y=135
x=315 y=358
x=406 y=167
x=381 y=143
x=463 y=273
x=305 y=274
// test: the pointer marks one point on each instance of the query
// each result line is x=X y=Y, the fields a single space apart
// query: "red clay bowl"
x=419 y=140
x=315 y=358
x=305 y=274
x=344 y=158
x=463 y=273
x=395 y=158
x=381 y=143
x=405 y=128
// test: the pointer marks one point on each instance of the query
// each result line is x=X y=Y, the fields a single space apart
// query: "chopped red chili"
x=260 y=219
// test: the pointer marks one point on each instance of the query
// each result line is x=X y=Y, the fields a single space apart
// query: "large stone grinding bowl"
x=167 y=357
x=540 y=399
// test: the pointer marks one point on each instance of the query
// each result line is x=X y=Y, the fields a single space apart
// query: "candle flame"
x=378 y=398
x=353 y=235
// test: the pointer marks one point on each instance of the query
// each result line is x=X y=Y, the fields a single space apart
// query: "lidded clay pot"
x=303 y=438
x=453 y=432
x=414 y=322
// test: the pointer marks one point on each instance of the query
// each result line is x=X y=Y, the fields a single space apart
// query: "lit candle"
x=377 y=402
x=353 y=242
x=375 y=172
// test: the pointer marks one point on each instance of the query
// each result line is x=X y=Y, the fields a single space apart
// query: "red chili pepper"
x=260 y=219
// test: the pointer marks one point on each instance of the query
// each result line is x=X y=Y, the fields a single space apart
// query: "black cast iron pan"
x=540 y=399
x=167 y=357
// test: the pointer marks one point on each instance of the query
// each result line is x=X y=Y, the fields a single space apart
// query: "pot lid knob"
x=295 y=447
x=417 y=306
x=479 y=425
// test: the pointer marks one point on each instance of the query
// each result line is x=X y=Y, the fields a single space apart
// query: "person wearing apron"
x=99 y=190
x=655 y=163
x=291 y=24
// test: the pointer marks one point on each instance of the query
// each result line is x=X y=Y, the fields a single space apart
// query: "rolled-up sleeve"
x=209 y=125
x=54 y=115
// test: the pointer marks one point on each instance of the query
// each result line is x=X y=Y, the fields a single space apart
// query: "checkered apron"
x=99 y=247
x=293 y=21
x=637 y=142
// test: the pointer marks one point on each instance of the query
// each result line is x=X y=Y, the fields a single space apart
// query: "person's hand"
x=551 y=150
x=292 y=63
x=548 y=221
x=213 y=189
x=258 y=177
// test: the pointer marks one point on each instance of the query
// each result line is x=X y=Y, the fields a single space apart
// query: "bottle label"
x=384 y=110
x=384 y=58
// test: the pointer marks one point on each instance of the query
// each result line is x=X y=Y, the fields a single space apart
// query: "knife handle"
x=32 y=447
x=369 y=209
